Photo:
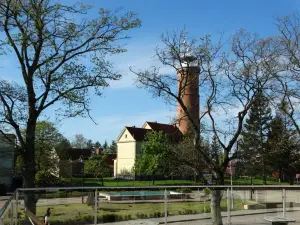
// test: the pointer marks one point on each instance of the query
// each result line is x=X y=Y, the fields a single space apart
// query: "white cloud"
x=139 y=57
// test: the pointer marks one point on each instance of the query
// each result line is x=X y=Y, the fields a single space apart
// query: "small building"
x=7 y=158
x=130 y=141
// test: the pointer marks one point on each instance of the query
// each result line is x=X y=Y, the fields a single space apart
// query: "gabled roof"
x=138 y=134
x=169 y=129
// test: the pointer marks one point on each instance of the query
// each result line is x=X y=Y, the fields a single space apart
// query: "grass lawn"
x=247 y=181
x=70 y=213
x=110 y=182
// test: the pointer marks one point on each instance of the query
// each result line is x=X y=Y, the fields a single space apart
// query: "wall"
x=7 y=154
x=126 y=149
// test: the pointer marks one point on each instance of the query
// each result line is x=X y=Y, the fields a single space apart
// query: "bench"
x=276 y=220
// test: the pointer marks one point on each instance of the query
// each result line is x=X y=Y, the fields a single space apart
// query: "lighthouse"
x=188 y=86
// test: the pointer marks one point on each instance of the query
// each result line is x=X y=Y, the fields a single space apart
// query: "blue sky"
x=125 y=105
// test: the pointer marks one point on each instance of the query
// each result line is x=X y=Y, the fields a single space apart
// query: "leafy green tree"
x=112 y=148
x=97 y=166
x=252 y=152
x=50 y=146
x=89 y=144
x=61 y=149
x=105 y=145
x=50 y=42
x=283 y=148
x=97 y=144
x=79 y=141
x=155 y=155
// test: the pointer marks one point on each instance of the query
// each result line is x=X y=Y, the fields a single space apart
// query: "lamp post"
x=82 y=161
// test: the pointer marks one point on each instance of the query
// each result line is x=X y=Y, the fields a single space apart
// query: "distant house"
x=7 y=158
x=130 y=141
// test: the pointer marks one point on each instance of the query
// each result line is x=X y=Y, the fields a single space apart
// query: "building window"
x=125 y=135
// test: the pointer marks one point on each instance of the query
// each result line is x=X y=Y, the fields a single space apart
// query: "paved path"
x=255 y=217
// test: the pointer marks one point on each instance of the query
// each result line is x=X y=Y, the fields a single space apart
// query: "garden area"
x=109 y=212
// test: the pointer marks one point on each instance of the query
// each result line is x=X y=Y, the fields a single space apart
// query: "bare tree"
x=52 y=42
x=229 y=83
x=286 y=94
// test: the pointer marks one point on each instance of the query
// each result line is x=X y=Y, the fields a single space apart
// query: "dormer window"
x=125 y=135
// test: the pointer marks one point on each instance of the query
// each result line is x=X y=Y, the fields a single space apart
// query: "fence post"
x=17 y=207
x=284 y=203
x=228 y=207
x=95 y=207
x=256 y=195
x=166 y=206
x=12 y=213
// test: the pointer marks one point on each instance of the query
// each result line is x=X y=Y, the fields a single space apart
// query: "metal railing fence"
x=168 y=199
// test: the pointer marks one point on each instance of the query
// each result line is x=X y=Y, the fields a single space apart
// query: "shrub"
x=184 y=190
x=206 y=191
x=46 y=179
x=90 y=199
x=206 y=210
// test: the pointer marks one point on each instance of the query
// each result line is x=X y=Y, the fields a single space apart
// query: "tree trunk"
x=216 y=207
x=30 y=198
x=264 y=179
x=153 y=179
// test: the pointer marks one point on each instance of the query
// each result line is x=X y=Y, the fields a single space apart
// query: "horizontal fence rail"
x=223 y=187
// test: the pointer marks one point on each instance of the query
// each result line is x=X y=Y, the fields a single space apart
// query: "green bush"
x=206 y=209
x=46 y=179
x=184 y=190
x=206 y=191
x=90 y=199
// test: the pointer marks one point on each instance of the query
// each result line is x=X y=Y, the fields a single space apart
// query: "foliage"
x=229 y=82
x=216 y=150
x=105 y=145
x=46 y=179
x=89 y=144
x=79 y=141
x=126 y=172
x=252 y=148
x=97 y=165
x=206 y=191
x=50 y=146
x=97 y=144
x=283 y=146
x=61 y=148
x=51 y=43
x=91 y=199
x=154 y=157
x=47 y=141
x=112 y=148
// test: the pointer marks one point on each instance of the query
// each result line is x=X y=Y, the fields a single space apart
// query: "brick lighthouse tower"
x=188 y=85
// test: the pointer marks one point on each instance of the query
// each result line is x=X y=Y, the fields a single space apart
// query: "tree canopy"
x=63 y=58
